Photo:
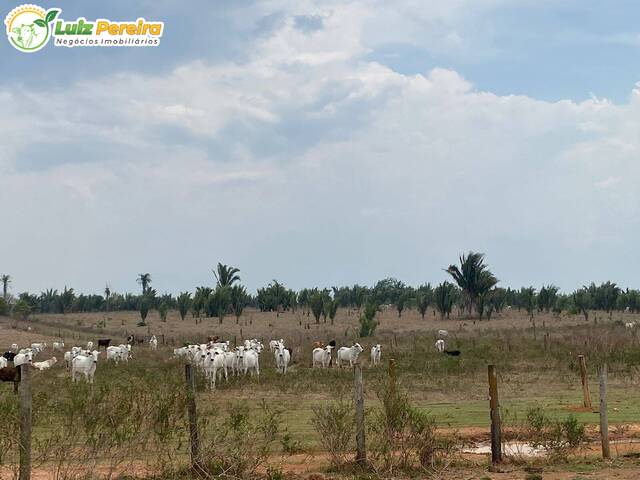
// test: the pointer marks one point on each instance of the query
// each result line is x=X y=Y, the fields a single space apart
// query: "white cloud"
x=310 y=163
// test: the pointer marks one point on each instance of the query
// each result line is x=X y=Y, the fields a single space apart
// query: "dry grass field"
x=533 y=372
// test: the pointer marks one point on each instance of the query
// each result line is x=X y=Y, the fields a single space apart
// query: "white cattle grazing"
x=273 y=344
x=283 y=357
x=84 y=365
x=250 y=362
x=440 y=345
x=443 y=333
x=125 y=352
x=68 y=356
x=376 y=353
x=230 y=362
x=321 y=357
x=59 y=346
x=114 y=353
x=224 y=346
x=180 y=352
x=38 y=347
x=3 y=362
x=46 y=365
x=23 y=358
x=214 y=363
x=153 y=343
x=630 y=324
x=90 y=345
x=253 y=344
x=348 y=354
x=14 y=347
x=26 y=350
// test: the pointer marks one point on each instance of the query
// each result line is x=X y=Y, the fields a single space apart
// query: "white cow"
x=153 y=343
x=440 y=345
x=58 y=346
x=114 y=353
x=250 y=362
x=443 y=333
x=230 y=362
x=3 y=362
x=322 y=356
x=84 y=365
x=273 y=344
x=90 y=345
x=38 y=347
x=283 y=357
x=214 y=363
x=46 y=365
x=349 y=354
x=630 y=325
x=181 y=352
x=23 y=358
x=125 y=352
x=68 y=356
x=376 y=353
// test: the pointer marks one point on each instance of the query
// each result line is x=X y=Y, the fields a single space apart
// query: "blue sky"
x=325 y=143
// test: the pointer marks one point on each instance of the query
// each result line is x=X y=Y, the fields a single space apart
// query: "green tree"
x=144 y=309
x=473 y=277
x=22 y=309
x=225 y=275
x=107 y=296
x=528 y=299
x=330 y=309
x=6 y=280
x=444 y=297
x=547 y=298
x=144 y=279
x=368 y=322
x=184 y=303
x=239 y=300
x=163 y=309
x=218 y=303
x=4 y=307
x=316 y=304
x=583 y=301
x=200 y=301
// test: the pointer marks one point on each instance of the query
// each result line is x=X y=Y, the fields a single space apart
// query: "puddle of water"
x=508 y=448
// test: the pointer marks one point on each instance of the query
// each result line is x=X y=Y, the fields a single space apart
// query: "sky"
x=326 y=143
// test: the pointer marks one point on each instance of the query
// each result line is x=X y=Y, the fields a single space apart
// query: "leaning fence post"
x=496 y=424
x=193 y=417
x=604 y=420
x=361 y=451
x=585 y=382
x=25 y=422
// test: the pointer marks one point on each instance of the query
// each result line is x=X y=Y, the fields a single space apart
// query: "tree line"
x=473 y=291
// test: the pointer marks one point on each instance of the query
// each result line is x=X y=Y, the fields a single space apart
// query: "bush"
x=556 y=437
x=4 y=307
x=335 y=424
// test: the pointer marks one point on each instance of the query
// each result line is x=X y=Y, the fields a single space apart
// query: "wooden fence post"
x=496 y=423
x=361 y=451
x=25 y=422
x=585 y=382
x=604 y=420
x=193 y=416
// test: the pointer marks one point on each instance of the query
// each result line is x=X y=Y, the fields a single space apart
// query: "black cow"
x=9 y=356
x=11 y=374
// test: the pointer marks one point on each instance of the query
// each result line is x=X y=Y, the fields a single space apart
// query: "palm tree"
x=316 y=304
x=184 y=303
x=107 y=296
x=473 y=277
x=226 y=276
x=6 y=280
x=144 y=279
x=239 y=299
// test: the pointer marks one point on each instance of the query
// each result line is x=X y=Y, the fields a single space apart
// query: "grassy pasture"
x=453 y=390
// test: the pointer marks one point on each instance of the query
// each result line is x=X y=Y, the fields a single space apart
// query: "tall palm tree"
x=225 y=275
x=144 y=279
x=107 y=295
x=6 y=280
x=473 y=277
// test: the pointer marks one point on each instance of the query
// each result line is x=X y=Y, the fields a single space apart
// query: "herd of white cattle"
x=215 y=359
x=219 y=359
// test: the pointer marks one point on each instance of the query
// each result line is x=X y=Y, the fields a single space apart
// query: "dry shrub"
x=335 y=425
